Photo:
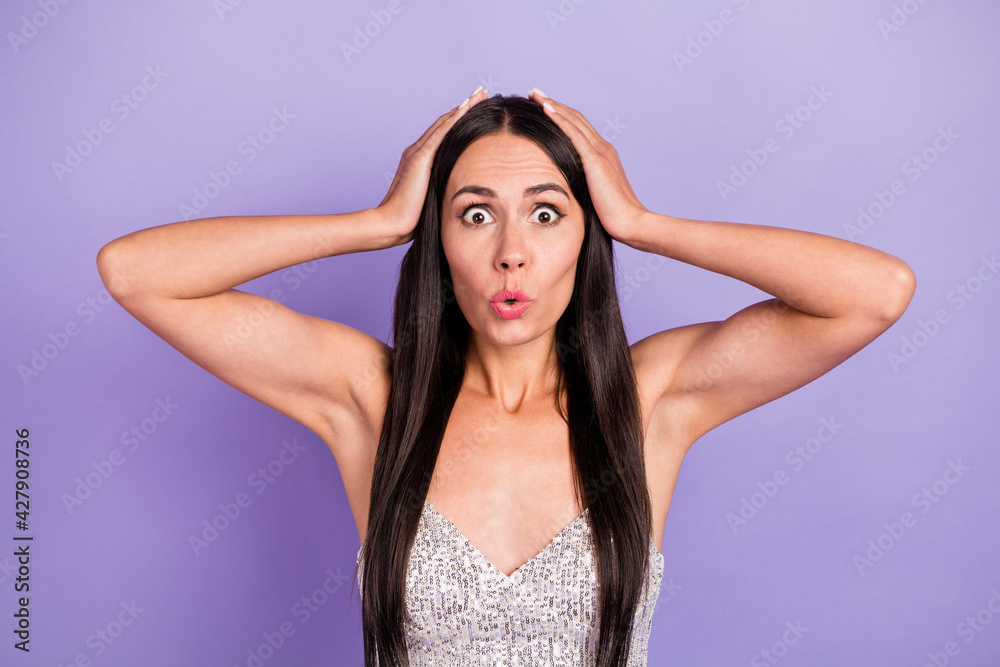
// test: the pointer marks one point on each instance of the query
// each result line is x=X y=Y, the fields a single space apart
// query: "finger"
x=429 y=141
x=584 y=140
x=566 y=111
x=436 y=132
x=576 y=126
x=449 y=118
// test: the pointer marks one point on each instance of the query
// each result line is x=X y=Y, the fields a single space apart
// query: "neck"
x=512 y=375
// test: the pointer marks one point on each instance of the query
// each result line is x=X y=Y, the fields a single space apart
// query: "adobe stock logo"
x=249 y=148
x=381 y=19
x=797 y=458
x=968 y=629
x=31 y=25
x=924 y=500
x=787 y=125
x=899 y=17
x=963 y=292
x=230 y=511
x=565 y=9
x=697 y=45
x=779 y=648
x=101 y=470
x=914 y=167
x=304 y=609
x=122 y=106
x=43 y=356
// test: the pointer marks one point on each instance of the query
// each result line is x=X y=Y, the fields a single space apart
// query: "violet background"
x=726 y=595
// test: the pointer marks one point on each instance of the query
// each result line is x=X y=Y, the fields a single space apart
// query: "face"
x=509 y=221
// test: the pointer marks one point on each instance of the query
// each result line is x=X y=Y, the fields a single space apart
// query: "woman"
x=511 y=403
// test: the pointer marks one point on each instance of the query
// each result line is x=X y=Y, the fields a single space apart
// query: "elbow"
x=896 y=292
x=111 y=267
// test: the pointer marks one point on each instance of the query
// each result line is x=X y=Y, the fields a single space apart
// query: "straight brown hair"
x=428 y=365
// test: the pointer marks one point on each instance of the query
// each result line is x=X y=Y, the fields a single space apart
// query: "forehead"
x=498 y=159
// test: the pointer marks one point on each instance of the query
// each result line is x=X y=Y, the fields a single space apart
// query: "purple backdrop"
x=863 y=120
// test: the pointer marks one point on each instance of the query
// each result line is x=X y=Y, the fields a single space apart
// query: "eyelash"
x=559 y=214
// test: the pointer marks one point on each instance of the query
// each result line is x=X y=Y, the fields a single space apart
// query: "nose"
x=511 y=253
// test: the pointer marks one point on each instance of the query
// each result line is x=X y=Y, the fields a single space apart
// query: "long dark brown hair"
x=430 y=335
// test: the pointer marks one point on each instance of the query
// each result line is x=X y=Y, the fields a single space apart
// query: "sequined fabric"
x=463 y=611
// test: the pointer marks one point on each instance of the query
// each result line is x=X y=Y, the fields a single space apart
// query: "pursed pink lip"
x=510 y=311
x=507 y=295
x=510 y=304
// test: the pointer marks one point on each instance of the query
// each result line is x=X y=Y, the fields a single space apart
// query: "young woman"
x=510 y=402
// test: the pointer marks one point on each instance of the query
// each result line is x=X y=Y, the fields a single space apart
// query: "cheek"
x=465 y=274
x=459 y=261
x=567 y=261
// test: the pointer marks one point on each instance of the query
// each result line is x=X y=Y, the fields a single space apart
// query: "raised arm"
x=178 y=279
x=832 y=298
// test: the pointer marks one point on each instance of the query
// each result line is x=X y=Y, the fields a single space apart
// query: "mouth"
x=510 y=304
x=510 y=296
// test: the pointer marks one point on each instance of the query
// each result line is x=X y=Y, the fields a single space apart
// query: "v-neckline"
x=511 y=577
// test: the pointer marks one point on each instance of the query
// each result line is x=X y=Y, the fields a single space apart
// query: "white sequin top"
x=463 y=611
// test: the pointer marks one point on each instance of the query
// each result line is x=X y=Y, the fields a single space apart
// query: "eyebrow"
x=483 y=191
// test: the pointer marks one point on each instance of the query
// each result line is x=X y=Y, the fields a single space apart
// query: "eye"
x=480 y=215
x=548 y=214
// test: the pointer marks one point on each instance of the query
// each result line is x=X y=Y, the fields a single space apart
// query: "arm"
x=196 y=258
x=177 y=279
x=833 y=297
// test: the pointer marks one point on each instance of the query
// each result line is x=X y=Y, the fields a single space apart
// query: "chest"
x=505 y=482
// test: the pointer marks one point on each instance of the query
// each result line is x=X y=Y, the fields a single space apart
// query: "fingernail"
x=476 y=91
x=464 y=102
x=539 y=92
x=549 y=107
